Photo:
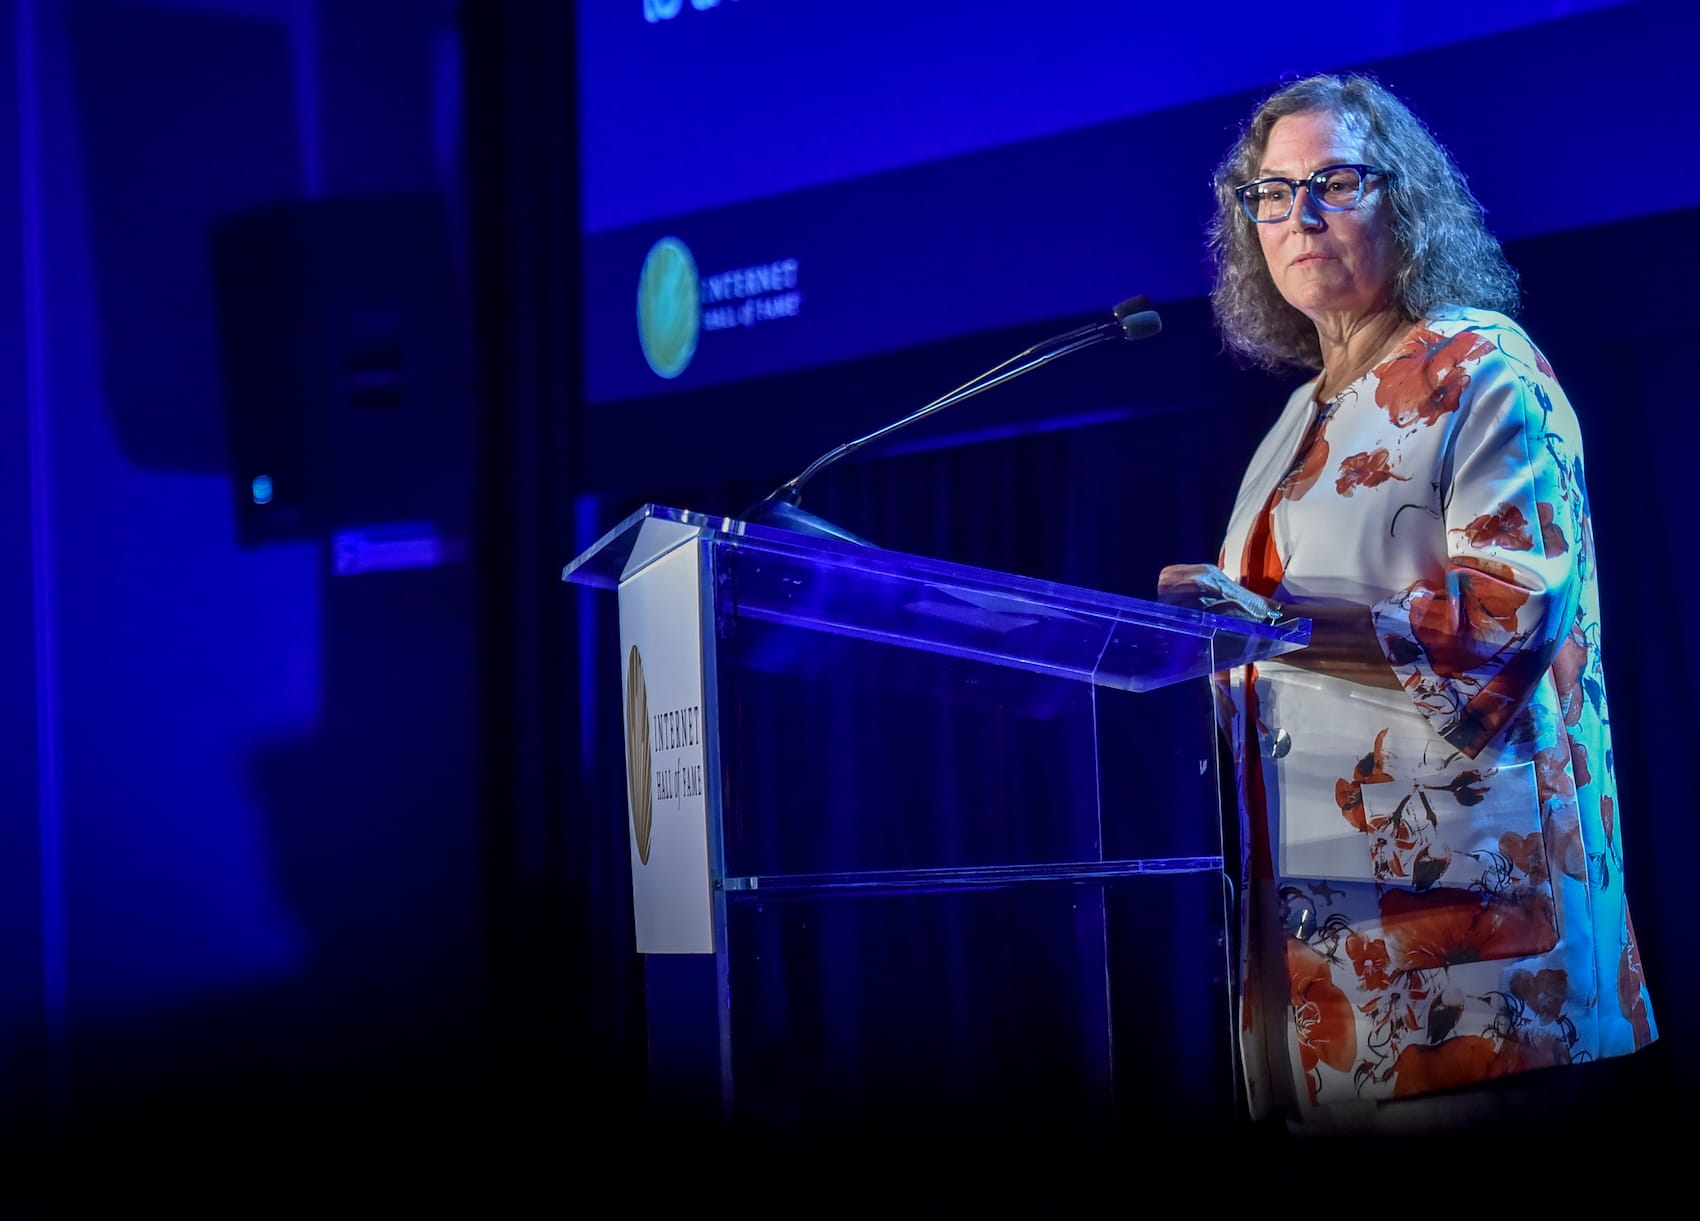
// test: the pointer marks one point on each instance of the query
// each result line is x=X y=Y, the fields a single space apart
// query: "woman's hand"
x=1342 y=638
x=1206 y=587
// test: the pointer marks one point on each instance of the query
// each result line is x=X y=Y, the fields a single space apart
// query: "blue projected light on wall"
x=739 y=99
x=928 y=171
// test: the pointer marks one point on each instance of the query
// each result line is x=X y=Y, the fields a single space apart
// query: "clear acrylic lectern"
x=916 y=841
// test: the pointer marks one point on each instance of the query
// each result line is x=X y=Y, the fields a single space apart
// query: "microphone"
x=1131 y=319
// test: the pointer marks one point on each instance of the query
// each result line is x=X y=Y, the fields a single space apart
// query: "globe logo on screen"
x=638 y=760
x=668 y=307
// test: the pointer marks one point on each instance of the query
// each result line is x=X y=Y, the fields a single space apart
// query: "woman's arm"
x=1342 y=638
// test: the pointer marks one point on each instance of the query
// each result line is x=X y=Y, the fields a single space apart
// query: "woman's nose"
x=1306 y=214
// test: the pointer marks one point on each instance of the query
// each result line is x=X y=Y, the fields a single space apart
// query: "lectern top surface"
x=832 y=585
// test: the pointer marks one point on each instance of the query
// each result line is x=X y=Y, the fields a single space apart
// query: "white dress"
x=1441 y=876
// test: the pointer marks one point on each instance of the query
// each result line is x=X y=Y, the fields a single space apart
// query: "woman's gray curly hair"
x=1448 y=257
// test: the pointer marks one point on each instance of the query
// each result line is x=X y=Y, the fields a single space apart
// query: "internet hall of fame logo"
x=676 y=304
x=669 y=307
x=639 y=764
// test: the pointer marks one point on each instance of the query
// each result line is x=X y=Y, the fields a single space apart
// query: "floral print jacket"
x=1440 y=894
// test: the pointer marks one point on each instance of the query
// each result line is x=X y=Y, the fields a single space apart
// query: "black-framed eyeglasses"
x=1334 y=188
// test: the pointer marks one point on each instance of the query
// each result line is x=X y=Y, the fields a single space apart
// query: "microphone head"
x=1133 y=305
x=1141 y=325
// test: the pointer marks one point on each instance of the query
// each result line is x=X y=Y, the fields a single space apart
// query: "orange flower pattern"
x=1453 y=846
x=1305 y=473
x=1426 y=378
x=1365 y=471
x=1327 y=1033
x=1504 y=527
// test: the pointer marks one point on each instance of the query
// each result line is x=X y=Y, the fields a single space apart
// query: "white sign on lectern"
x=666 y=720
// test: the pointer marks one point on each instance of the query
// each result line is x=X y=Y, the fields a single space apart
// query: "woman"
x=1434 y=887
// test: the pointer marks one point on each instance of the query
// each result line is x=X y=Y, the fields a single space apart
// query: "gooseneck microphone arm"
x=1132 y=319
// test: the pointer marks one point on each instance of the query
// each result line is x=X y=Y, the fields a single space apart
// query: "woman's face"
x=1335 y=266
